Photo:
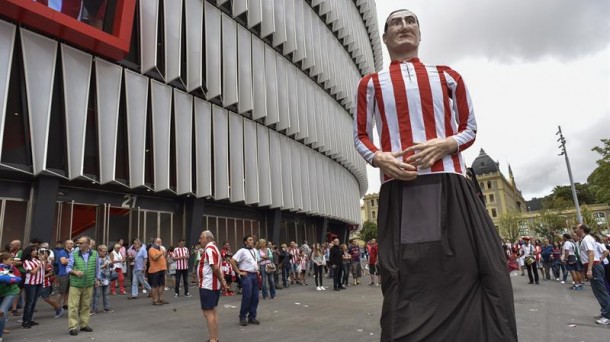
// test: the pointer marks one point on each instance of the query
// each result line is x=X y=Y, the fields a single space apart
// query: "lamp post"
x=564 y=153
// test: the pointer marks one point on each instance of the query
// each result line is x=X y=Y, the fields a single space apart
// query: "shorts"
x=64 y=284
x=156 y=279
x=576 y=267
x=373 y=269
x=294 y=268
x=45 y=292
x=209 y=298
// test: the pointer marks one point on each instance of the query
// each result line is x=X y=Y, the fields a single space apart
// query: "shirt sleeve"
x=364 y=119
x=463 y=109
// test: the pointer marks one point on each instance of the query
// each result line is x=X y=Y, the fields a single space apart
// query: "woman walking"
x=117 y=259
x=34 y=278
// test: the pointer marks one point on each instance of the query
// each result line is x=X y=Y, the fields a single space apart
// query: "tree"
x=509 y=225
x=599 y=179
x=589 y=220
x=368 y=231
x=549 y=225
x=561 y=198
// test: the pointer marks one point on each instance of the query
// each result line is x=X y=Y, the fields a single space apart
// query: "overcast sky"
x=529 y=66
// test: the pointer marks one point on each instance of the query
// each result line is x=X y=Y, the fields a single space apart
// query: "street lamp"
x=564 y=153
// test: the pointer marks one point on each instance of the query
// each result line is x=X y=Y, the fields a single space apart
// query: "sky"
x=529 y=66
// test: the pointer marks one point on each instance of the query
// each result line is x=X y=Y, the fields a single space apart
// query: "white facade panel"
x=244 y=75
x=172 y=15
x=161 y=116
x=39 y=56
x=264 y=167
x=282 y=94
x=108 y=86
x=299 y=26
x=76 y=67
x=229 y=61
x=279 y=36
x=220 y=122
x=259 y=86
x=268 y=20
x=271 y=85
x=275 y=162
x=236 y=153
x=255 y=12
x=149 y=21
x=183 y=119
x=287 y=172
x=297 y=173
x=194 y=44
x=250 y=162
x=239 y=7
x=213 y=51
x=203 y=147
x=136 y=91
x=305 y=185
x=293 y=99
x=291 y=39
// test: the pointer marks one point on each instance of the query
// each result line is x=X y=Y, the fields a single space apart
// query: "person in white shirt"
x=573 y=264
x=594 y=271
x=528 y=251
x=245 y=264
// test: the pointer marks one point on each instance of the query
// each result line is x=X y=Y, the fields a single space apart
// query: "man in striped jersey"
x=440 y=257
x=181 y=255
x=211 y=282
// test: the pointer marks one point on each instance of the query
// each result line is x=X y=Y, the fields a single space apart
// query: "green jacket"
x=89 y=269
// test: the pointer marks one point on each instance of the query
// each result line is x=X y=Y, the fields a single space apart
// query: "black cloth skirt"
x=443 y=271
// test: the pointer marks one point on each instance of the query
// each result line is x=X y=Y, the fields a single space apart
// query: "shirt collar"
x=412 y=60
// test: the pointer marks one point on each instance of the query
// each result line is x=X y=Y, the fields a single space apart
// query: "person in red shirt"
x=373 y=271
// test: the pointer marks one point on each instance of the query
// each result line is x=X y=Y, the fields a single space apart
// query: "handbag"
x=270 y=268
x=113 y=275
x=529 y=260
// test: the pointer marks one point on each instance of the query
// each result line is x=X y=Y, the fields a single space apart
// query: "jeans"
x=249 y=296
x=598 y=285
x=185 y=277
x=560 y=266
x=101 y=290
x=345 y=272
x=32 y=292
x=286 y=275
x=317 y=273
x=138 y=278
x=268 y=283
x=547 y=265
x=6 y=303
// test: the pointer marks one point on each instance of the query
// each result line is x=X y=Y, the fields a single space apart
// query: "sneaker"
x=323 y=288
x=93 y=313
x=73 y=332
x=144 y=291
x=166 y=289
x=318 y=288
x=597 y=317
x=59 y=312
x=243 y=322
x=175 y=295
x=563 y=282
x=109 y=310
x=603 y=321
x=187 y=295
x=254 y=321
x=86 y=328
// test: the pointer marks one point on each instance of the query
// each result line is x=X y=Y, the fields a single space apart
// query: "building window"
x=494 y=213
x=488 y=184
x=523 y=228
x=374 y=215
x=491 y=198
x=482 y=185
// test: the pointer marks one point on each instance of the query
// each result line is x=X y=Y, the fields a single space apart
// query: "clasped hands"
x=424 y=156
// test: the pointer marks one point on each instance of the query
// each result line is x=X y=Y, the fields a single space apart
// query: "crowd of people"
x=80 y=277
x=583 y=255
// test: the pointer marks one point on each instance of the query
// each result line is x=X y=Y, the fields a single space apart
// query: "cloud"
x=509 y=31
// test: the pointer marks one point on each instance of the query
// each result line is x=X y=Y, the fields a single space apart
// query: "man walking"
x=210 y=282
x=82 y=268
x=156 y=272
x=528 y=252
x=433 y=229
x=139 y=269
x=594 y=271
x=245 y=264
x=181 y=255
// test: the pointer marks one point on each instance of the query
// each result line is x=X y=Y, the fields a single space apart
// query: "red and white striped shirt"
x=207 y=278
x=33 y=279
x=413 y=102
x=181 y=252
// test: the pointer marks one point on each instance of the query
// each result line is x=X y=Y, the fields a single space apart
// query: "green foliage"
x=509 y=225
x=549 y=225
x=599 y=179
x=561 y=197
x=589 y=219
x=368 y=231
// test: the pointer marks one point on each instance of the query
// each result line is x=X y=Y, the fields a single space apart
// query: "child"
x=229 y=274
x=103 y=279
x=9 y=288
x=303 y=261
x=49 y=279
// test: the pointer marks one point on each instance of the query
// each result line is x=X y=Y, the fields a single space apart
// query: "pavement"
x=546 y=312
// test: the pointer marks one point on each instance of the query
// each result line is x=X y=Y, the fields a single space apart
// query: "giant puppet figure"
x=442 y=267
